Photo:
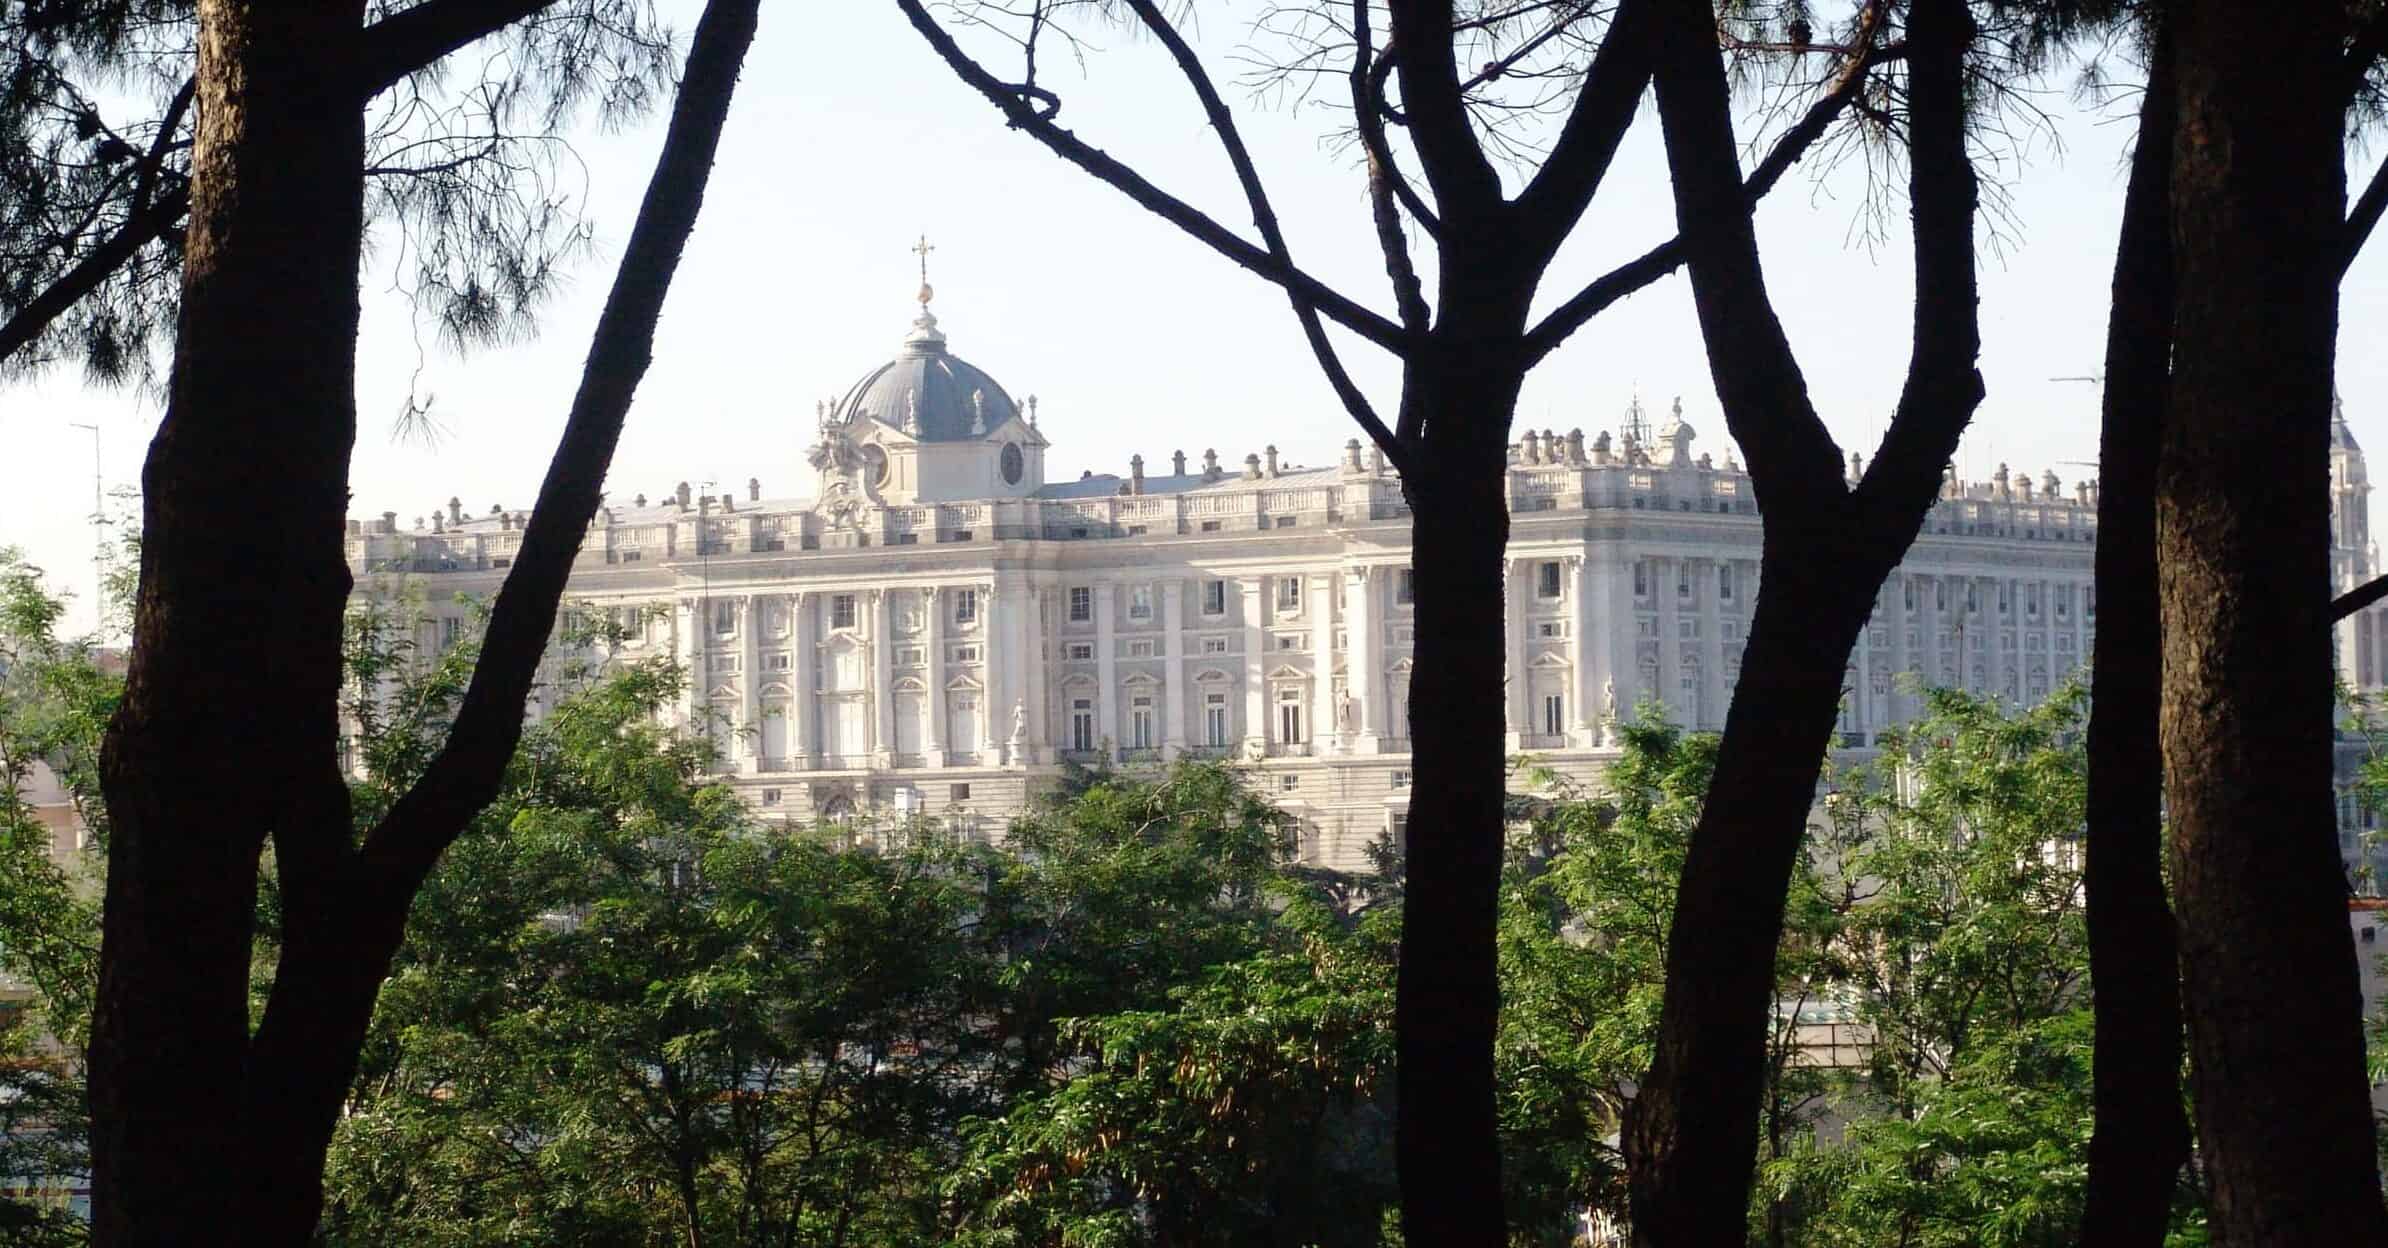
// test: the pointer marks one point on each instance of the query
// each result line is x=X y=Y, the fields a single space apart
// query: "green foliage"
x=54 y=699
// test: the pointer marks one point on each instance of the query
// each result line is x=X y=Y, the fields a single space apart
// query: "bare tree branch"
x=1552 y=203
x=1374 y=111
x=468 y=769
x=2365 y=215
x=1463 y=179
x=2356 y=599
x=1264 y=216
x=1385 y=183
x=410 y=39
x=1663 y=259
x=1016 y=108
x=142 y=229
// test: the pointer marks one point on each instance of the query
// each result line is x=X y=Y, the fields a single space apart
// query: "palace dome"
x=929 y=393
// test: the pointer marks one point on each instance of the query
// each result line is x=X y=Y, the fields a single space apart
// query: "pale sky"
x=849 y=138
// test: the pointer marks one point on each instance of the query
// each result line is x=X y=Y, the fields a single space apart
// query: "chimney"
x=754 y=489
x=1210 y=465
x=505 y=520
x=1376 y=460
x=1177 y=463
x=1600 y=448
x=1271 y=460
x=439 y=522
x=638 y=500
x=1135 y=474
x=704 y=504
x=356 y=528
x=455 y=510
x=419 y=522
x=680 y=492
x=1252 y=467
x=389 y=522
x=1529 y=448
x=1999 y=479
x=1575 y=446
x=728 y=503
x=1351 y=456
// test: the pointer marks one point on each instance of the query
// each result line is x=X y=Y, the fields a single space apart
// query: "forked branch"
x=1040 y=126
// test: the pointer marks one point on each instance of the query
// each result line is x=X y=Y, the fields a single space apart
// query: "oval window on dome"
x=1013 y=464
x=874 y=465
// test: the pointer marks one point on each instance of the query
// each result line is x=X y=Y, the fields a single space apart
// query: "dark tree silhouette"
x=228 y=731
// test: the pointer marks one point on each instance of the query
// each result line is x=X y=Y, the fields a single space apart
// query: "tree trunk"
x=2242 y=533
x=1697 y=1112
x=1447 y=998
x=2142 y=1136
x=227 y=730
x=1691 y=1133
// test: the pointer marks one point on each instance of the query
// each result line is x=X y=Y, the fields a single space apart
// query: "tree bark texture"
x=2141 y=1135
x=1447 y=998
x=2242 y=535
x=1691 y=1134
x=228 y=729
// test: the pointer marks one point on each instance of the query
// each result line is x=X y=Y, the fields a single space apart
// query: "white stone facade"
x=937 y=629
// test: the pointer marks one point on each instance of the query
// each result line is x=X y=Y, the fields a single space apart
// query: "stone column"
x=1994 y=668
x=1035 y=680
x=1173 y=689
x=933 y=608
x=988 y=746
x=1862 y=697
x=691 y=624
x=1623 y=641
x=1256 y=672
x=750 y=684
x=1106 y=604
x=1712 y=644
x=1326 y=727
x=1363 y=661
x=1901 y=619
x=1666 y=573
x=882 y=679
x=800 y=682
x=1515 y=574
x=1583 y=694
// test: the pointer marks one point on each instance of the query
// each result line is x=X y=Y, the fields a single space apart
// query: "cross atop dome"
x=927 y=292
x=924 y=336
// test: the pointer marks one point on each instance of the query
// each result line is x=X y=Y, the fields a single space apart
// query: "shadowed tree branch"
x=1264 y=216
x=1016 y=109
x=2356 y=599
x=1641 y=271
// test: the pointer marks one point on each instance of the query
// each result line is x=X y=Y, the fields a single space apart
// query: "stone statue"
x=1608 y=709
x=1347 y=711
x=1019 y=727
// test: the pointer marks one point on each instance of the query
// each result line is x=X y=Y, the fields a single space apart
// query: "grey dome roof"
x=926 y=383
x=2341 y=437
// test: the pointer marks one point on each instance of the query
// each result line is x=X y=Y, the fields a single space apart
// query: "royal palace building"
x=938 y=628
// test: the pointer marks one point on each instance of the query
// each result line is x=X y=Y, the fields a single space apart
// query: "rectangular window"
x=966 y=606
x=1724 y=582
x=1549 y=628
x=1401 y=779
x=1683 y=588
x=1210 y=526
x=725 y=617
x=958 y=793
x=1405 y=587
x=1214 y=645
x=1214 y=720
x=841 y=611
x=966 y=654
x=1546 y=579
x=1554 y=714
x=1140 y=724
x=776 y=661
x=1289 y=716
x=1289 y=594
x=1081 y=650
x=1214 y=597
x=1082 y=724
x=771 y=797
x=1641 y=578
x=1288 y=783
x=1140 y=649
x=1081 y=604
x=907 y=656
x=1140 y=602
